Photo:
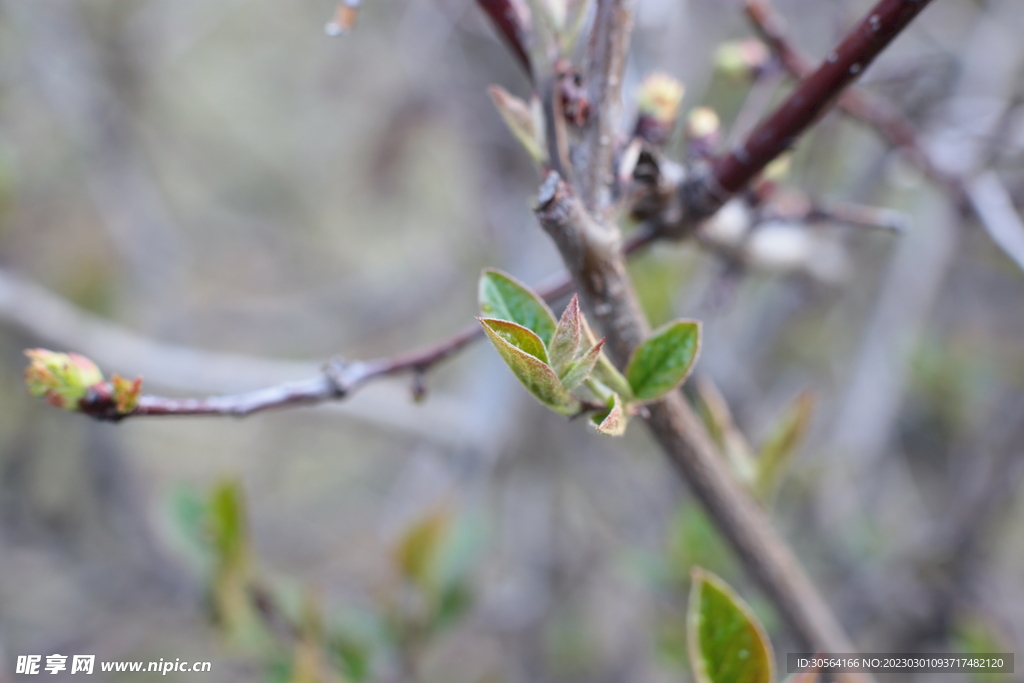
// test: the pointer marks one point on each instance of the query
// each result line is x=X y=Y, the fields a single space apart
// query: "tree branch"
x=985 y=197
x=600 y=274
x=46 y=315
x=609 y=45
x=815 y=93
x=587 y=245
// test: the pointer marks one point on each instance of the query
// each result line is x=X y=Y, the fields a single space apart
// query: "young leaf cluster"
x=562 y=363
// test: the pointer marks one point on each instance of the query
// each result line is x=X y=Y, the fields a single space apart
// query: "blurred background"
x=219 y=197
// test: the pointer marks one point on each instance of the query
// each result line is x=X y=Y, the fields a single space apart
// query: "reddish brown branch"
x=509 y=23
x=859 y=104
x=813 y=95
x=985 y=196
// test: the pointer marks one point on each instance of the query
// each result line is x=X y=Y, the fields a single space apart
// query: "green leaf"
x=505 y=298
x=536 y=375
x=611 y=422
x=566 y=340
x=518 y=336
x=780 y=446
x=725 y=641
x=581 y=368
x=664 y=359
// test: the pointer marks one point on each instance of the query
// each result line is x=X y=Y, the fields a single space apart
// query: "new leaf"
x=726 y=642
x=535 y=374
x=505 y=298
x=566 y=340
x=613 y=421
x=664 y=359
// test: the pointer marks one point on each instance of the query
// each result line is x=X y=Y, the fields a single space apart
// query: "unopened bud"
x=741 y=59
x=63 y=379
x=658 y=107
x=702 y=122
x=660 y=96
x=703 y=130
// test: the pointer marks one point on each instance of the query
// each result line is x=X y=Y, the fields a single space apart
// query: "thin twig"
x=44 y=314
x=839 y=212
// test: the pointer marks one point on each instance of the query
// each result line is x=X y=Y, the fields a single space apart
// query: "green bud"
x=63 y=379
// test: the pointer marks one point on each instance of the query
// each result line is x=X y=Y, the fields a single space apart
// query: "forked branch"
x=813 y=95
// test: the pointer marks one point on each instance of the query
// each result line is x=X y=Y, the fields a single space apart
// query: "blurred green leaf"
x=187 y=512
x=354 y=659
x=978 y=634
x=778 y=449
x=232 y=585
x=453 y=603
x=536 y=375
x=308 y=665
x=664 y=359
x=505 y=298
x=357 y=637
x=522 y=120
x=726 y=642
x=611 y=422
x=714 y=410
x=227 y=521
x=694 y=540
x=566 y=340
x=417 y=549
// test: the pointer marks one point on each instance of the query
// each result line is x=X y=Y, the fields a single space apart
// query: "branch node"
x=344 y=375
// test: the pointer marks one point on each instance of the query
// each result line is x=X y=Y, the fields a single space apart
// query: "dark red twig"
x=813 y=95
x=509 y=24
x=859 y=104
